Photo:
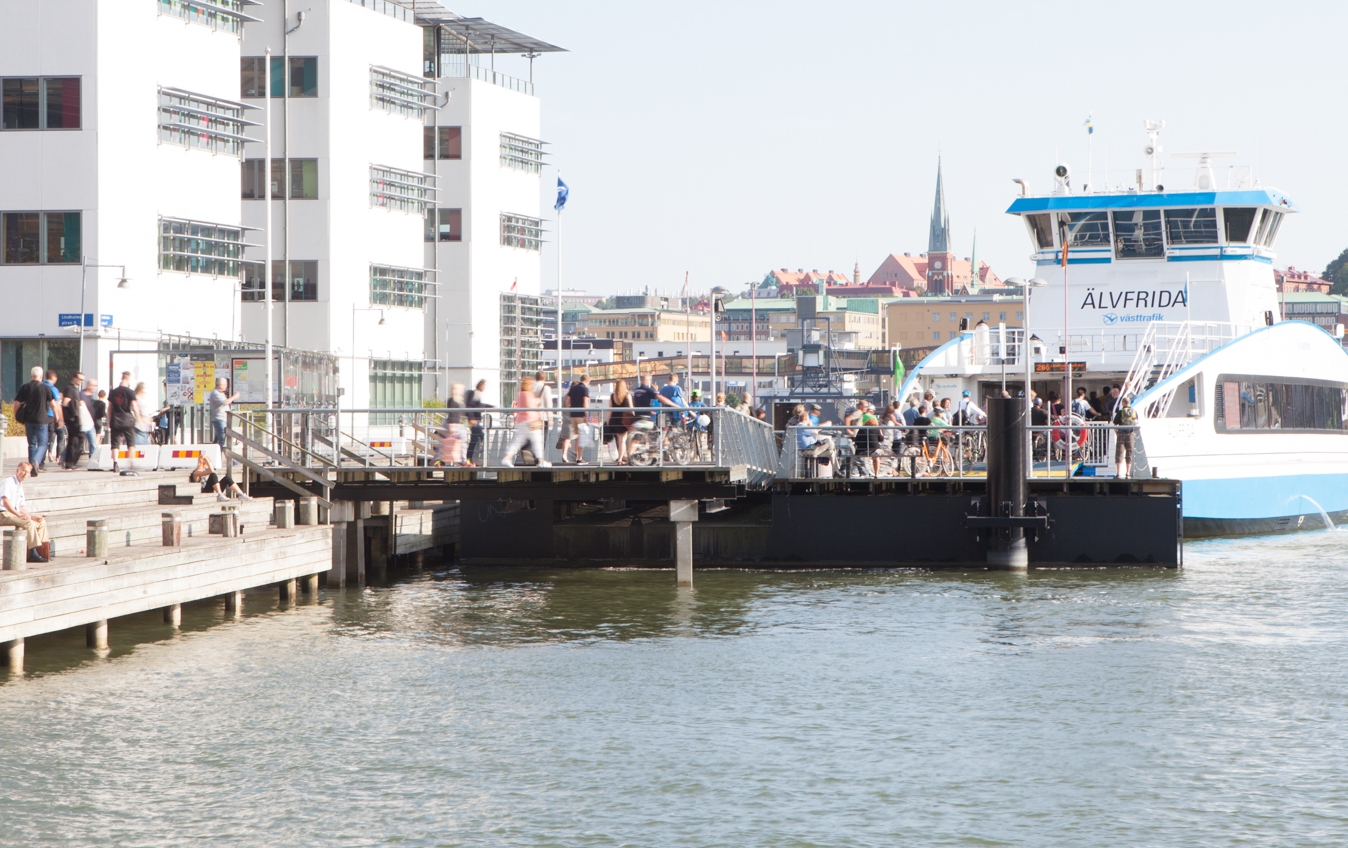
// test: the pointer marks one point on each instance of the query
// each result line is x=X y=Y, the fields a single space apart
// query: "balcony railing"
x=453 y=66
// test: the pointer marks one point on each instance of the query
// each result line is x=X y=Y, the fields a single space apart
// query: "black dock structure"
x=716 y=488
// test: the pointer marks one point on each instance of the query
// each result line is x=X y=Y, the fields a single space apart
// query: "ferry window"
x=1238 y=223
x=1247 y=403
x=1191 y=226
x=1086 y=229
x=1137 y=234
x=1265 y=218
x=1273 y=228
x=1042 y=227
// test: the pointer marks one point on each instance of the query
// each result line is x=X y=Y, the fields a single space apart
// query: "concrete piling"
x=96 y=538
x=96 y=635
x=173 y=615
x=13 y=655
x=310 y=585
x=233 y=604
x=683 y=514
x=16 y=549
x=308 y=512
x=288 y=591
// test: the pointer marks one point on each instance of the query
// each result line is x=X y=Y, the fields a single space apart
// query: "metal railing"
x=492 y=439
x=941 y=451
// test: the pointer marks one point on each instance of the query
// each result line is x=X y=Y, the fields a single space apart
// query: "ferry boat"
x=1171 y=296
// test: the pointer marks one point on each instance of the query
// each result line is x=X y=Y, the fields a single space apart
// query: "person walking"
x=145 y=418
x=476 y=399
x=1123 y=439
x=451 y=446
x=528 y=427
x=619 y=423
x=70 y=404
x=56 y=440
x=122 y=420
x=546 y=401
x=99 y=404
x=14 y=513
x=577 y=397
x=35 y=408
x=220 y=401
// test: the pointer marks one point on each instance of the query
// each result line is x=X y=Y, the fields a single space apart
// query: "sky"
x=727 y=139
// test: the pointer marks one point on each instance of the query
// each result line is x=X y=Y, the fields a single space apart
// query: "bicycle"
x=938 y=457
x=649 y=444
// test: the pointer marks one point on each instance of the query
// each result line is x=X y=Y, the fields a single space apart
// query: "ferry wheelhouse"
x=1171 y=295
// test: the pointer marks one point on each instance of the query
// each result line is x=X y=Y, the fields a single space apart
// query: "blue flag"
x=562 y=192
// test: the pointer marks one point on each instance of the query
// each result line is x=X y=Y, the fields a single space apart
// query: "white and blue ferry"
x=1171 y=295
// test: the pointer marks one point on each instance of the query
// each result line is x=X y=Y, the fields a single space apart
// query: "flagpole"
x=688 y=330
x=559 y=303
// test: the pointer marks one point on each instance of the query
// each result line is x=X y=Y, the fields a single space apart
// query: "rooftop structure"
x=1292 y=280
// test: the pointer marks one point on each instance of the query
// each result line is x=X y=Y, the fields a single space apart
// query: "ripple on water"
x=541 y=707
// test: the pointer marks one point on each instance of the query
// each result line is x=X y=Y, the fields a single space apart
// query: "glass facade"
x=521 y=231
x=521 y=341
x=391 y=286
x=200 y=121
x=404 y=191
x=193 y=247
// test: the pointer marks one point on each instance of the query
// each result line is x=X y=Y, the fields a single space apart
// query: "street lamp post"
x=1025 y=346
x=84 y=275
x=716 y=294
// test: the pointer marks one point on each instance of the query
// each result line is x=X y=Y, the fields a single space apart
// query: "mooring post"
x=308 y=511
x=233 y=604
x=172 y=529
x=288 y=591
x=96 y=538
x=683 y=514
x=13 y=654
x=173 y=614
x=283 y=512
x=96 y=635
x=16 y=553
x=1007 y=487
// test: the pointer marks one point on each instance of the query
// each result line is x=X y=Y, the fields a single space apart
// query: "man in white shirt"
x=14 y=513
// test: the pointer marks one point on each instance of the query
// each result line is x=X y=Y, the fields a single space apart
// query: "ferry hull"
x=1252 y=506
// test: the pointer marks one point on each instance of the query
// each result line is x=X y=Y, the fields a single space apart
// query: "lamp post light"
x=716 y=294
x=84 y=276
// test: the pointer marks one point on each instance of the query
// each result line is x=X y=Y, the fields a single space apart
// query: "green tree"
x=1337 y=273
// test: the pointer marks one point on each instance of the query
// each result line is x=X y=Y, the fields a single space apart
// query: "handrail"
x=263 y=471
x=282 y=439
x=280 y=459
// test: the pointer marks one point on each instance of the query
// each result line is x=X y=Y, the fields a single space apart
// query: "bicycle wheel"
x=679 y=446
x=642 y=450
x=908 y=461
x=945 y=461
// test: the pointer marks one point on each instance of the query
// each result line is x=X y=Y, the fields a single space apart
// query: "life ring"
x=1058 y=434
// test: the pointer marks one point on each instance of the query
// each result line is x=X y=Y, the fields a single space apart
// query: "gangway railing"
x=1168 y=346
x=501 y=438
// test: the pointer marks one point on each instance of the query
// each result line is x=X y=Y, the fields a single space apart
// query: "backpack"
x=1127 y=416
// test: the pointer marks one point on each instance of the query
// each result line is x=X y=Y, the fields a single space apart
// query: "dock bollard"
x=16 y=549
x=173 y=529
x=96 y=537
x=308 y=511
x=284 y=513
x=1007 y=469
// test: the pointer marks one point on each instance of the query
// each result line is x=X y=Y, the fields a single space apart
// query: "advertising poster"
x=180 y=381
x=250 y=380
x=204 y=379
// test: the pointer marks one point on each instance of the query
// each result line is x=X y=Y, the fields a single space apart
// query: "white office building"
x=405 y=220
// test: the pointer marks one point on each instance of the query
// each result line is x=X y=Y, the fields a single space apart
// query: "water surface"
x=607 y=708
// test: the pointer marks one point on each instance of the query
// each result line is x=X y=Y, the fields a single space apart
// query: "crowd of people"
x=570 y=426
x=65 y=426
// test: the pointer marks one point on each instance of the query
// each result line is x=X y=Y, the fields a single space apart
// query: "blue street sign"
x=72 y=319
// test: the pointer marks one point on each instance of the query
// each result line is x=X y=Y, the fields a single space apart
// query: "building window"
x=521 y=341
x=390 y=286
x=303 y=76
x=1001 y=316
x=193 y=247
x=405 y=191
x=521 y=231
x=303 y=281
x=936 y=336
x=442 y=143
x=303 y=179
x=399 y=93
x=223 y=15
x=40 y=103
x=394 y=384
x=32 y=238
x=444 y=225
x=522 y=153
x=196 y=120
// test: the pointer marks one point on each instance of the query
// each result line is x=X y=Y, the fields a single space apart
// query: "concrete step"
x=142 y=526
x=67 y=491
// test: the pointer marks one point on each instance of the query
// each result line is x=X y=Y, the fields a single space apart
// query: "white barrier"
x=138 y=458
x=185 y=456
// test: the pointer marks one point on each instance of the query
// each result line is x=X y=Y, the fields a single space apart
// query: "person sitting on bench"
x=211 y=482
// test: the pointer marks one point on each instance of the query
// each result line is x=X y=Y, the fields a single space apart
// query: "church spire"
x=938 y=241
